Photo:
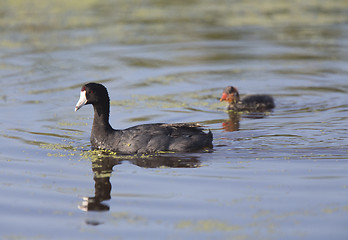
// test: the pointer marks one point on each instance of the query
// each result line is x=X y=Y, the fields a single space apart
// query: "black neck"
x=101 y=117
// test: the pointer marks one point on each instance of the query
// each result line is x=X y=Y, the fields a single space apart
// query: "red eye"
x=91 y=91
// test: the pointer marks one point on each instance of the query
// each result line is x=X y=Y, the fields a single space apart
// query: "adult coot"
x=250 y=103
x=146 y=138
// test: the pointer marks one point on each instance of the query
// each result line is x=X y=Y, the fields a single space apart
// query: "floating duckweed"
x=207 y=226
x=123 y=103
x=105 y=174
x=330 y=210
x=70 y=124
x=162 y=152
x=128 y=217
x=57 y=146
x=99 y=154
x=56 y=155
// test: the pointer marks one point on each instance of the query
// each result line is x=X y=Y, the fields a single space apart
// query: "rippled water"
x=282 y=176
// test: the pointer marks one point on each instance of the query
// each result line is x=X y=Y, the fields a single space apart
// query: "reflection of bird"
x=232 y=124
x=250 y=103
x=146 y=138
x=103 y=166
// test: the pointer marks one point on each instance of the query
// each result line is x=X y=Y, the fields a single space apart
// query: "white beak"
x=82 y=101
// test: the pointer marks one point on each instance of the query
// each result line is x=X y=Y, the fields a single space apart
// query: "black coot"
x=146 y=138
x=250 y=103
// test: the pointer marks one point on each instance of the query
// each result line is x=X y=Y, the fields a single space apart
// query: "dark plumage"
x=146 y=138
x=250 y=103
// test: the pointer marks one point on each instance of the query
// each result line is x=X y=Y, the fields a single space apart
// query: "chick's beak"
x=82 y=101
x=223 y=97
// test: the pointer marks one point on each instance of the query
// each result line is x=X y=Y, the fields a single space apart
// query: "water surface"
x=279 y=176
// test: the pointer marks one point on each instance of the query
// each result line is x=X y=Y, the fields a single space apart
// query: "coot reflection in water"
x=102 y=167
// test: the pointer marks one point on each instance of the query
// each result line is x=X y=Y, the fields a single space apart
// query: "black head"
x=93 y=93
x=230 y=94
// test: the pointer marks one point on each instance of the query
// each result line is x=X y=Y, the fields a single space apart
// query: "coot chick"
x=250 y=103
x=146 y=138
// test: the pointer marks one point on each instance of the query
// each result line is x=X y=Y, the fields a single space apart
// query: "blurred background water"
x=283 y=176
